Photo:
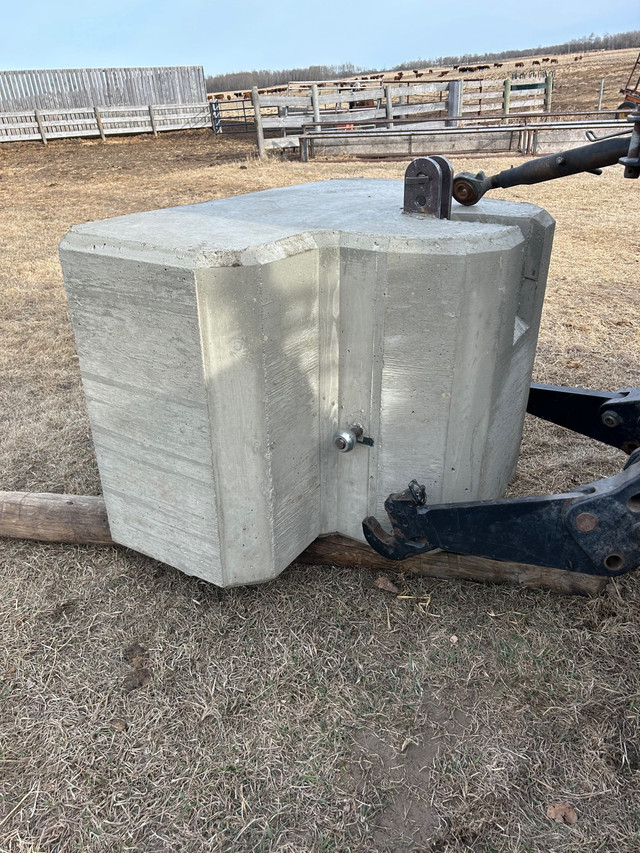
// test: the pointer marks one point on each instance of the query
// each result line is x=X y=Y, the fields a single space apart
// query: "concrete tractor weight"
x=263 y=370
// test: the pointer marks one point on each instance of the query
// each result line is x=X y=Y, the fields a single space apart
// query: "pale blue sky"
x=249 y=34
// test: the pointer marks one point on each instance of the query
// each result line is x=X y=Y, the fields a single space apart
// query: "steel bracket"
x=594 y=529
x=428 y=187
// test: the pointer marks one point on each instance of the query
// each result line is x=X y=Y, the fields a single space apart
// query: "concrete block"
x=222 y=345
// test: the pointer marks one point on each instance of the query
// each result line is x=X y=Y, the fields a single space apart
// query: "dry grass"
x=314 y=713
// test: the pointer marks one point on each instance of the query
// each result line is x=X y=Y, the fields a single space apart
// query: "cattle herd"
x=359 y=82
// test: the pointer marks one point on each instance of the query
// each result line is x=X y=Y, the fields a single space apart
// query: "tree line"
x=265 y=79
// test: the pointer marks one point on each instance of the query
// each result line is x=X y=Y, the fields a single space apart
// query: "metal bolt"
x=345 y=440
x=611 y=419
x=561 y=161
x=586 y=521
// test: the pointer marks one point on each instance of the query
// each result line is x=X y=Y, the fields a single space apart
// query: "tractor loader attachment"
x=593 y=529
x=468 y=189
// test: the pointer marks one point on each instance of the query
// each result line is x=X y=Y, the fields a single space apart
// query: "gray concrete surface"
x=221 y=345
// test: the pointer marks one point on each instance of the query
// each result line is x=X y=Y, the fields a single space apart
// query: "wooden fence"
x=345 y=106
x=321 y=107
x=44 y=125
x=112 y=87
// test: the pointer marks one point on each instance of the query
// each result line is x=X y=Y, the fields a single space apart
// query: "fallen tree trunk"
x=83 y=520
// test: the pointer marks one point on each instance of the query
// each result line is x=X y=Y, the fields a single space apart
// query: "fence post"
x=548 y=89
x=99 y=122
x=153 y=120
x=315 y=106
x=216 y=120
x=601 y=94
x=41 y=126
x=255 y=100
x=506 y=101
x=454 y=102
x=389 y=105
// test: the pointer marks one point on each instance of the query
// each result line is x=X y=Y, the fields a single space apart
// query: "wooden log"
x=389 y=105
x=506 y=103
x=99 y=122
x=83 y=520
x=54 y=518
x=341 y=551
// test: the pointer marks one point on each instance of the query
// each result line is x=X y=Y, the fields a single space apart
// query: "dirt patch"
x=399 y=777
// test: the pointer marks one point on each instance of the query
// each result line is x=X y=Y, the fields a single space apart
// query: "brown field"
x=142 y=710
x=576 y=83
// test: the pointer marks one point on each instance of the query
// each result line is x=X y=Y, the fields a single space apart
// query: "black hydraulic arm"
x=594 y=529
x=468 y=189
x=610 y=417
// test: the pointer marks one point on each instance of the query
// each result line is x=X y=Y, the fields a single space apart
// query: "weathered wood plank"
x=483 y=96
x=41 y=127
x=418 y=89
x=286 y=101
x=88 y=87
x=419 y=109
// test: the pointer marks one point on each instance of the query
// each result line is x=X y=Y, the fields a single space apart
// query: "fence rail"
x=45 y=125
x=520 y=134
x=450 y=101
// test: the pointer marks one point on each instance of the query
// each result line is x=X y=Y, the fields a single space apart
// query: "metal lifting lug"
x=428 y=187
x=594 y=529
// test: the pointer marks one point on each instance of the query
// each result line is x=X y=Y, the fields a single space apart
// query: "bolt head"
x=586 y=521
x=611 y=419
x=345 y=440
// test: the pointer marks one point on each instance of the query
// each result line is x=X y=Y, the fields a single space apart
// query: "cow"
x=553 y=61
x=535 y=62
x=497 y=65
x=519 y=64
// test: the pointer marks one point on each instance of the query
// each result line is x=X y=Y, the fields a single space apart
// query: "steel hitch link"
x=594 y=529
